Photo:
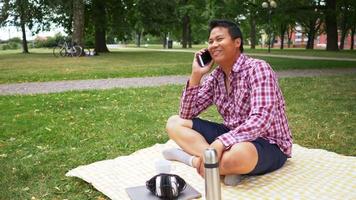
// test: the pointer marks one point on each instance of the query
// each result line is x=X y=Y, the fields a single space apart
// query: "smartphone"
x=204 y=58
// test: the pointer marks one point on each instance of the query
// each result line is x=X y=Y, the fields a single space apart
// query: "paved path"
x=61 y=86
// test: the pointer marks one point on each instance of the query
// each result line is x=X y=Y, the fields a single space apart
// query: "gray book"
x=142 y=193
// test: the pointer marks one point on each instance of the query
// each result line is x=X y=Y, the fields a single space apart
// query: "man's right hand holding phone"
x=200 y=69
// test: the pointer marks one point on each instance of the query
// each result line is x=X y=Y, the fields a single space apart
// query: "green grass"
x=42 y=66
x=44 y=136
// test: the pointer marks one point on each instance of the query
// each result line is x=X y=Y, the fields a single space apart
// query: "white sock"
x=178 y=155
x=232 y=179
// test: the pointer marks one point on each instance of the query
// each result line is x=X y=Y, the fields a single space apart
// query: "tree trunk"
x=282 y=32
x=138 y=38
x=253 y=32
x=99 y=18
x=78 y=23
x=190 y=36
x=331 y=26
x=352 y=37
x=342 y=39
x=289 y=34
x=311 y=35
x=185 y=31
x=165 y=42
x=344 y=31
x=23 y=29
x=272 y=39
x=24 y=40
x=100 y=41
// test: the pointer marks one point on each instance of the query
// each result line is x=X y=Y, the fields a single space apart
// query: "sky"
x=11 y=31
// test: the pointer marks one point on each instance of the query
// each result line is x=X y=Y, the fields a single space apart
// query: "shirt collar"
x=238 y=66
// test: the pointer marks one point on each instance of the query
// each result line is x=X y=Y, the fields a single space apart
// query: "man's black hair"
x=233 y=29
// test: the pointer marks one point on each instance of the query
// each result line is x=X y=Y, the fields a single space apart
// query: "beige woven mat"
x=310 y=174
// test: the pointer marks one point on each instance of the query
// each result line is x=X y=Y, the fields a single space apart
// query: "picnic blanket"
x=310 y=174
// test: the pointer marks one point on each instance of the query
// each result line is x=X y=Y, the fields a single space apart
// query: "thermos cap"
x=210 y=156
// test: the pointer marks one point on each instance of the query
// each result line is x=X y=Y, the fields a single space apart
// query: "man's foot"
x=178 y=155
x=232 y=179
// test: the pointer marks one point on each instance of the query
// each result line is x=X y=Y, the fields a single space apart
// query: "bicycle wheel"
x=77 y=50
x=57 y=51
x=63 y=52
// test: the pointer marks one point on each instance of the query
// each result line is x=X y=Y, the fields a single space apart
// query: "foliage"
x=125 y=20
x=11 y=45
x=61 y=13
x=26 y=13
x=50 y=42
x=4 y=11
x=15 y=40
x=154 y=16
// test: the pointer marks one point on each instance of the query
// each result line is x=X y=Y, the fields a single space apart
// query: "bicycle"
x=67 y=50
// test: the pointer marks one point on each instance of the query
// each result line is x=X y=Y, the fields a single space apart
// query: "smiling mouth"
x=216 y=53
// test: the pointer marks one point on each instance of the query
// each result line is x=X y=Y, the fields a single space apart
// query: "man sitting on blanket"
x=254 y=138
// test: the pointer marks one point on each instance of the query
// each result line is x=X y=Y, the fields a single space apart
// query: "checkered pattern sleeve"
x=196 y=99
x=263 y=103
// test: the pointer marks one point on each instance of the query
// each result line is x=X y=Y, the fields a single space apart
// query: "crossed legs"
x=241 y=158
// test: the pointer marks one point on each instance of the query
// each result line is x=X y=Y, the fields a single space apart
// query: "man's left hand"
x=219 y=147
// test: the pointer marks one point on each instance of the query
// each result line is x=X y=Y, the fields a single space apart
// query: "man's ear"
x=237 y=42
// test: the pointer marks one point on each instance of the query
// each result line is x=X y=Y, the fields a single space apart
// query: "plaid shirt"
x=253 y=108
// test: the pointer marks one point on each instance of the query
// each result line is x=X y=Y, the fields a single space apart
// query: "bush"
x=49 y=42
x=15 y=40
x=11 y=45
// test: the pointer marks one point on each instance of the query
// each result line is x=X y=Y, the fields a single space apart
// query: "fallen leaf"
x=3 y=155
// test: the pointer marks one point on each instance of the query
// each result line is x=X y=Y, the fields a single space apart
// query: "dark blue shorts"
x=270 y=157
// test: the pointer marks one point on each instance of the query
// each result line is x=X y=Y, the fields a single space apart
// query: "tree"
x=78 y=22
x=155 y=17
x=4 y=11
x=24 y=13
x=118 y=18
x=346 y=11
x=285 y=16
x=290 y=30
x=353 y=30
x=353 y=23
x=62 y=14
x=310 y=18
x=196 y=30
x=100 y=23
x=185 y=12
x=331 y=26
x=246 y=11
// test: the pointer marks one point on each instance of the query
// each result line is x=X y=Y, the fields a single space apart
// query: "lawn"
x=41 y=65
x=44 y=136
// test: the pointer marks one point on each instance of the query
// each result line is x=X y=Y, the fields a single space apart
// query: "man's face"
x=221 y=46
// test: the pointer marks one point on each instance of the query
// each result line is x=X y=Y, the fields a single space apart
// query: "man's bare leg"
x=240 y=159
x=180 y=130
x=193 y=143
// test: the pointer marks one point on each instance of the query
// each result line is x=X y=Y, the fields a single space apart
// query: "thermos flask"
x=212 y=175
